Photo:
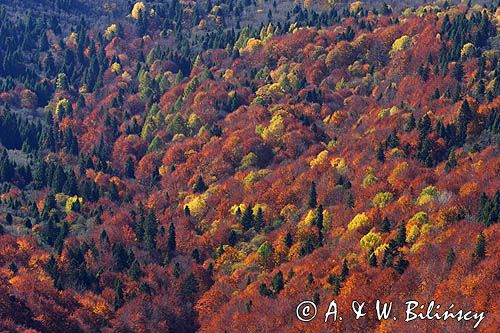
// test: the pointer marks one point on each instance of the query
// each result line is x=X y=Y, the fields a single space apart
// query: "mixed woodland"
x=183 y=166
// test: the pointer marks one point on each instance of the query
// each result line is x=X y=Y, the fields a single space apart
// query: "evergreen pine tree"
x=190 y=286
x=450 y=257
x=259 y=220
x=277 y=283
x=380 y=153
x=480 y=248
x=118 y=299
x=401 y=264
x=386 y=225
x=288 y=240
x=401 y=235
x=372 y=258
x=171 y=243
x=199 y=186
x=313 y=196
x=129 y=168
x=458 y=72
x=135 y=271
x=345 y=271
x=150 y=231
x=247 y=218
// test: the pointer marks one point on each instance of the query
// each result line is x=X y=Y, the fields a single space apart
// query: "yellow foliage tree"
x=369 y=179
x=198 y=204
x=62 y=105
x=71 y=201
x=138 y=7
x=319 y=160
x=273 y=133
x=370 y=240
x=398 y=172
x=447 y=215
x=116 y=68
x=234 y=209
x=412 y=233
x=310 y=217
x=228 y=258
x=254 y=177
x=253 y=45
x=400 y=44
x=355 y=6
x=359 y=221
x=340 y=165
x=427 y=195
x=382 y=199
x=419 y=218
x=468 y=50
x=111 y=31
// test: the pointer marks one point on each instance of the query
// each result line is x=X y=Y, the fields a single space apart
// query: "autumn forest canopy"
x=205 y=166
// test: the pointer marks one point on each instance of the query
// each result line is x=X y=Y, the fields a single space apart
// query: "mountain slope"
x=186 y=175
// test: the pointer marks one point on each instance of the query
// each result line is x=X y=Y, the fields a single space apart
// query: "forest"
x=206 y=166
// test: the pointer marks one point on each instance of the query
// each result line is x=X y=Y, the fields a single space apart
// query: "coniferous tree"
x=120 y=257
x=49 y=203
x=135 y=271
x=458 y=71
x=150 y=231
x=199 y=186
x=50 y=230
x=450 y=257
x=118 y=299
x=401 y=235
x=187 y=211
x=313 y=196
x=386 y=225
x=310 y=278
x=196 y=256
x=129 y=167
x=288 y=239
x=334 y=281
x=372 y=258
x=277 y=283
x=247 y=218
x=171 y=243
x=177 y=270
x=7 y=170
x=233 y=238
x=8 y=219
x=70 y=186
x=190 y=286
x=380 y=153
x=319 y=223
x=59 y=179
x=401 y=264
x=264 y=290
x=451 y=162
x=345 y=271
x=259 y=220
x=480 y=248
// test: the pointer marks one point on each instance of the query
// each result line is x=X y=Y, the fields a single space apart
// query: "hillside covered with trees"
x=184 y=166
